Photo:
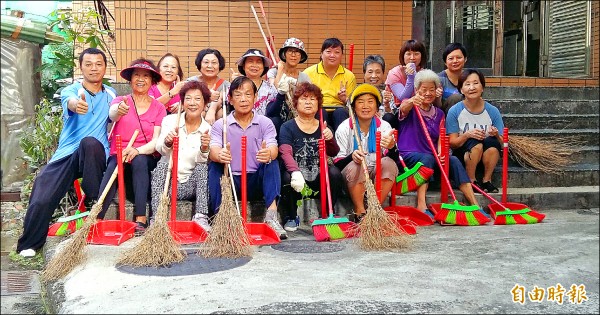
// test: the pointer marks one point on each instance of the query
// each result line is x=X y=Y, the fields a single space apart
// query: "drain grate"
x=18 y=282
x=309 y=247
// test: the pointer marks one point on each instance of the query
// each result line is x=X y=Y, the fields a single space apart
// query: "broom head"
x=457 y=214
x=413 y=177
x=511 y=215
x=331 y=228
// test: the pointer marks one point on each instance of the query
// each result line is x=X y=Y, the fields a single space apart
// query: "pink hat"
x=141 y=64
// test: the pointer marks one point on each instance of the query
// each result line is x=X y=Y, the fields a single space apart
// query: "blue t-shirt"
x=447 y=85
x=91 y=124
x=460 y=119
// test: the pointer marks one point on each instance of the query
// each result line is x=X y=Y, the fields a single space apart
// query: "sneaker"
x=140 y=228
x=27 y=253
x=274 y=224
x=488 y=187
x=202 y=221
x=478 y=184
x=290 y=226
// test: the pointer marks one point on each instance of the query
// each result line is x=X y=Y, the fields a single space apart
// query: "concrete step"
x=551 y=121
x=574 y=175
x=584 y=154
x=541 y=93
x=588 y=137
x=540 y=106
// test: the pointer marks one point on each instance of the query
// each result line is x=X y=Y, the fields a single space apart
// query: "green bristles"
x=457 y=206
x=335 y=232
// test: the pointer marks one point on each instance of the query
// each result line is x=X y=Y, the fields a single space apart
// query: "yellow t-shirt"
x=331 y=86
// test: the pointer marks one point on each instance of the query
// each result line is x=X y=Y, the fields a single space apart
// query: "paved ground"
x=447 y=270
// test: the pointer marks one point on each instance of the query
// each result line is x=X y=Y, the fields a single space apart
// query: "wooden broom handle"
x=357 y=139
x=114 y=174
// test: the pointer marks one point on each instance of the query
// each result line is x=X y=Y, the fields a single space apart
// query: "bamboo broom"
x=73 y=253
x=377 y=230
x=228 y=237
x=546 y=155
x=158 y=248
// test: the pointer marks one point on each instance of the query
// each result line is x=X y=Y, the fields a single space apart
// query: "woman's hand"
x=475 y=133
x=169 y=137
x=387 y=141
x=234 y=74
x=327 y=134
x=493 y=131
x=130 y=153
x=439 y=91
x=442 y=158
x=177 y=87
x=204 y=141
x=122 y=108
x=342 y=92
x=358 y=156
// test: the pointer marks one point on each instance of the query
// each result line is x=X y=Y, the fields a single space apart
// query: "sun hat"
x=293 y=42
x=141 y=64
x=254 y=53
x=366 y=88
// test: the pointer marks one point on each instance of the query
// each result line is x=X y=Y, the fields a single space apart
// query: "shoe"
x=290 y=226
x=356 y=218
x=488 y=187
x=27 y=253
x=478 y=184
x=140 y=228
x=273 y=222
x=202 y=221
x=429 y=213
x=485 y=213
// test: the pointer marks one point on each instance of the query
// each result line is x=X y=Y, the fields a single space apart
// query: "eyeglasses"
x=293 y=52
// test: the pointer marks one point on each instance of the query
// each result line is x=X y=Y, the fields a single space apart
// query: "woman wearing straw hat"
x=167 y=89
x=194 y=138
x=254 y=65
x=365 y=101
x=285 y=77
x=135 y=111
x=210 y=63
x=412 y=144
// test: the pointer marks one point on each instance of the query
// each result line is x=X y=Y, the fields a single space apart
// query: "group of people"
x=283 y=112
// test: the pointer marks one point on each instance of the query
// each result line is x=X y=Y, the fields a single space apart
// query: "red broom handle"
x=444 y=147
x=80 y=196
x=393 y=192
x=351 y=59
x=505 y=165
x=271 y=37
x=378 y=165
x=326 y=166
x=175 y=156
x=120 y=177
x=433 y=150
x=488 y=196
x=322 y=161
x=243 y=179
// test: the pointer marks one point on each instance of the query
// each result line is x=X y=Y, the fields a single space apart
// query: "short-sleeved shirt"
x=92 y=124
x=129 y=122
x=449 y=87
x=260 y=128
x=189 y=145
x=302 y=77
x=344 y=136
x=461 y=120
x=305 y=148
x=223 y=86
x=331 y=86
x=155 y=93
x=411 y=137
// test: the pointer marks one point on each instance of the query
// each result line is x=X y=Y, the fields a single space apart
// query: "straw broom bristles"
x=546 y=155
x=157 y=248
x=228 y=237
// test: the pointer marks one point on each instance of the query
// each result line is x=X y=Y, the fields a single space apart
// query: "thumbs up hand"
x=264 y=154
x=342 y=92
x=123 y=108
x=82 y=105
x=327 y=134
x=204 y=141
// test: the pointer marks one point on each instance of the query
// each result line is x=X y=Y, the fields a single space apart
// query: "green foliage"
x=34 y=263
x=56 y=66
x=306 y=193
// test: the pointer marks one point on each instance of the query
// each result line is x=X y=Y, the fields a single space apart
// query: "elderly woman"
x=285 y=77
x=455 y=57
x=413 y=145
x=374 y=73
x=167 y=89
x=299 y=151
x=210 y=63
x=475 y=129
x=194 y=138
x=254 y=65
x=135 y=111
x=365 y=101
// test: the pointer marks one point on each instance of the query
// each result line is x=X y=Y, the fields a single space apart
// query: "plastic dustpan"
x=114 y=232
x=411 y=214
x=259 y=233
x=407 y=226
x=183 y=232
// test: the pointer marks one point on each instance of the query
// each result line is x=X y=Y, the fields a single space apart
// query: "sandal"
x=356 y=218
x=488 y=187
x=478 y=184
x=140 y=228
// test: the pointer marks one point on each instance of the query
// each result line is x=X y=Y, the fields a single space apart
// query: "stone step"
x=573 y=175
x=538 y=106
x=550 y=121
x=584 y=154
x=587 y=137
x=541 y=93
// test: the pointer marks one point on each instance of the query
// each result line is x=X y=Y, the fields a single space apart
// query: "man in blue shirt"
x=82 y=150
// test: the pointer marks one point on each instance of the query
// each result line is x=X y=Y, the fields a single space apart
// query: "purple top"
x=155 y=93
x=402 y=86
x=411 y=137
x=261 y=128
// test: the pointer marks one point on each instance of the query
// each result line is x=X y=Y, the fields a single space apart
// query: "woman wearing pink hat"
x=135 y=111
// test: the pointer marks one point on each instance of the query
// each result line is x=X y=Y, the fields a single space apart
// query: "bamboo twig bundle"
x=546 y=155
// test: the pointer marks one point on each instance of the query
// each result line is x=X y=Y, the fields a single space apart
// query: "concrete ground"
x=447 y=270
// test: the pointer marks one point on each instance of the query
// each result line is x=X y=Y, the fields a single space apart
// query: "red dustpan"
x=183 y=232
x=259 y=233
x=115 y=232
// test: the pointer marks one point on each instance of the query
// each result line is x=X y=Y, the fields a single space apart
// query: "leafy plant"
x=307 y=193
